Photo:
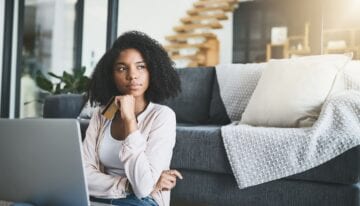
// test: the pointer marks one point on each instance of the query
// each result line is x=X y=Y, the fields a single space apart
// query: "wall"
x=158 y=17
x=253 y=22
x=341 y=14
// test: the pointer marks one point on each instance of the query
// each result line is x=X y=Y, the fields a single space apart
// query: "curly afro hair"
x=164 y=80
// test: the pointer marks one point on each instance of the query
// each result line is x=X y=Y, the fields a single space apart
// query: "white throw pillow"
x=351 y=75
x=349 y=78
x=290 y=92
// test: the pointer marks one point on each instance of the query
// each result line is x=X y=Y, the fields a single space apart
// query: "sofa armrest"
x=63 y=106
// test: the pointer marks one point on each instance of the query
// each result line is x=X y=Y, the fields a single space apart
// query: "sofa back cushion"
x=193 y=103
x=217 y=113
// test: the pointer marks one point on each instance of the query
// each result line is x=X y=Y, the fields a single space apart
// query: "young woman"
x=127 y=158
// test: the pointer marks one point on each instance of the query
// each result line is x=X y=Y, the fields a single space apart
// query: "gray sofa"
x=200 y=155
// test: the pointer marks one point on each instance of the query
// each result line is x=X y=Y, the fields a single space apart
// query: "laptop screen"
x=41 y=162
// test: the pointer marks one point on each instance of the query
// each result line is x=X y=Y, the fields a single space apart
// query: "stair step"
x=194 y=64
x=197 y=11
x=200 y=4
x=196 y=57
x=190 y=19
x=190 y=27
x=216 y=0
x=178 y=46
x=185 y=36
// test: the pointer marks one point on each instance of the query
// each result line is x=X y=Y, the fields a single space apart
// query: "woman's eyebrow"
x=123 y=63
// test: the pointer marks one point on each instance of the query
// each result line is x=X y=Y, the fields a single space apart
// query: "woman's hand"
x=167 y=180
x=126 y=105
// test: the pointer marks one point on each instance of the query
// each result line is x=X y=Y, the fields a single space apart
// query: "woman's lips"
x=134 y=86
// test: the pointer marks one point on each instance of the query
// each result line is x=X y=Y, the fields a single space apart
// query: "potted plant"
x=69 y=83
x=75 y=83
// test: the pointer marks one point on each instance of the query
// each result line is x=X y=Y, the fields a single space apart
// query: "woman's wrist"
x=130 y=126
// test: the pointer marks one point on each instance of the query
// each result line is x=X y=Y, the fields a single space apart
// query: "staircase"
x=194 y=43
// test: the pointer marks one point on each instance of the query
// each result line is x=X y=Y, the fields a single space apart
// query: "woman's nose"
x=133 y=73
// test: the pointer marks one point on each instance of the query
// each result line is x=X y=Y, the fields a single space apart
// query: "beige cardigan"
x=146 y=153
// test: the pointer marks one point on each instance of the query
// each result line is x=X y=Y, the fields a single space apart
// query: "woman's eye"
x=121 y=68
x=141 y=67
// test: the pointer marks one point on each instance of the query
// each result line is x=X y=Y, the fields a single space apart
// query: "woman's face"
x=131 y=74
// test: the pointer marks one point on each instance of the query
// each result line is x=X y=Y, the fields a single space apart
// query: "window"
x=94 y=38
x=48 y=46
x=2 y=19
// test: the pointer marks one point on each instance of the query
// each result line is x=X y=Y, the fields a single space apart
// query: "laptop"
x=41 y=162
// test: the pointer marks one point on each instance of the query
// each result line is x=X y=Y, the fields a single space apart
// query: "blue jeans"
x=130 y=200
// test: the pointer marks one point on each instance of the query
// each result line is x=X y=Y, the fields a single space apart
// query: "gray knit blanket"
x=259 y=154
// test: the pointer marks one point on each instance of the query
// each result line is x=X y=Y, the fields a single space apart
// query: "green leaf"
x=68 y=88
x=58 y=88
x=34 y=101
x=79 y=72
x=43 y=83
x=69 y=83
x=54 y=75
x=83 y=84
x=68 y=78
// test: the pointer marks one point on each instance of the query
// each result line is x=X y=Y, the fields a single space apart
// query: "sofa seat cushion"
x=219 y=189
x=343 y=169
x=200 y=148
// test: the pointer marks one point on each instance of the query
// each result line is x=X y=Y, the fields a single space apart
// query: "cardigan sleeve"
x=99 y=183
x=145 y=158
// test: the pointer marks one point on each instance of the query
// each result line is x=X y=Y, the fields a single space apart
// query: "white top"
x=109 y=151
x=145 y=154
